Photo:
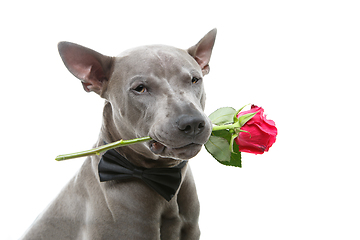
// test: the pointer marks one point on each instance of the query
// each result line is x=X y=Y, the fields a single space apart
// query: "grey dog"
x=154 y=91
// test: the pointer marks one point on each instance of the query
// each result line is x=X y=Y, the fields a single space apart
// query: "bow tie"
x=165 y=181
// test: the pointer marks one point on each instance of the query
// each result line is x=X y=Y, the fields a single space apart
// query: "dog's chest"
x=133 y=209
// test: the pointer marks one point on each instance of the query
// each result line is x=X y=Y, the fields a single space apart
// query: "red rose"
x=262 y=132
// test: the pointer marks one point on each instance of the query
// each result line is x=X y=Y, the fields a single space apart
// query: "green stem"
x=101 y=149
x=122 y=143
x=228 y=126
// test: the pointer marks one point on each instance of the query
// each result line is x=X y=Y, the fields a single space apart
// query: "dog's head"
x=154 y=91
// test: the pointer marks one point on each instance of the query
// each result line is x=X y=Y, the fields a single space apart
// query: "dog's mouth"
x=183 y=152
x=157 y=147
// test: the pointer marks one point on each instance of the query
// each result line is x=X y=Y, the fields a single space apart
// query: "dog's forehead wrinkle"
x=160 y=59
x=152 y=53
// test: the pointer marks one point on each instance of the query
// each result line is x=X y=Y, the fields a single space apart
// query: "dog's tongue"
x=157 y=147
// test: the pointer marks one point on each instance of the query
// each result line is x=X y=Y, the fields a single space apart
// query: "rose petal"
x=262 y=131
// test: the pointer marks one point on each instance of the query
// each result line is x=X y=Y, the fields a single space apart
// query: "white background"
x=299 y=60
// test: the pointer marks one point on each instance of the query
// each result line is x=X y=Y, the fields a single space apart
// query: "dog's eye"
x=195 y=80
x=140 y=89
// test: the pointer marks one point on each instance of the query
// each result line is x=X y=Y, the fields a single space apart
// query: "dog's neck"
x=109 y=134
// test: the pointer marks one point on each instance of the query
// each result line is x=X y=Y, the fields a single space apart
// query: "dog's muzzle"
x=184 y=139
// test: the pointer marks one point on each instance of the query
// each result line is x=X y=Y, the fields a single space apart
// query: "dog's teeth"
x=157 y=147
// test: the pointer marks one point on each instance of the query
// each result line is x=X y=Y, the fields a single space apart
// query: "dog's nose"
x=191 y=125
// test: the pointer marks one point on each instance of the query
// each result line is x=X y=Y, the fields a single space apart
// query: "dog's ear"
x=92 y=68
x=201 y=52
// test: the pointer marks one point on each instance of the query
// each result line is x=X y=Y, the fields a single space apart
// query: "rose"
x=235 y=132
x=260 y=133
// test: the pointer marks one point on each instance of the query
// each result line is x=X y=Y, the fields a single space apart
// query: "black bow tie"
x=165 y=181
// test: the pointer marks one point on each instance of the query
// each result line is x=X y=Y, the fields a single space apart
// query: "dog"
x=154 y=91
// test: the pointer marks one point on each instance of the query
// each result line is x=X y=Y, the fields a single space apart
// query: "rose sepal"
x=238 y=111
